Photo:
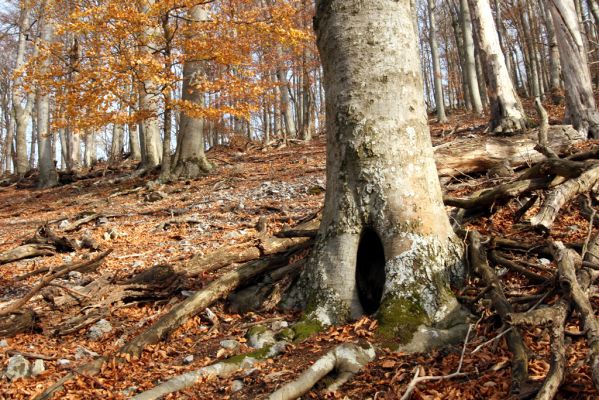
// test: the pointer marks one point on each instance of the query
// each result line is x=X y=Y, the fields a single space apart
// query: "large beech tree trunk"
x=385 y=244
x=581 y=108
x=507 y=114
x=190 y=158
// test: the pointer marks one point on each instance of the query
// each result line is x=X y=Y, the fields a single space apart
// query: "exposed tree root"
x=221 y=369
x=347 y=359
x=478 y=262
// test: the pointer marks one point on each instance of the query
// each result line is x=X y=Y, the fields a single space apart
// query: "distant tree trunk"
x=470 y=62
x=116 y=146
x=581 y=109
x=507 y=114
x=286 y=109
x=191 y=161
x=73 y=149
x=149 y=103
x=134 y=146
x=385 y=244
x=90 y=155
x=33 y=143
x=439 y=100
x=555 y=66
x=22 y=103
x=47 y=172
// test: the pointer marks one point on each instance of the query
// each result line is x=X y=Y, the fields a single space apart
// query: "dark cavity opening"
x=370 y=271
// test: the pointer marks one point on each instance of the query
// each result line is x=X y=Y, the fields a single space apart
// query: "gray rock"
x=99 y=329
x=137 y=264
x=63 y=362
x=259 y=336
x=544 y=261
x=229 y=344
x=67 y=259
x=75 y=275
x=278 y=325
x=82 y=352
x=236 y=386
x=156 y=196
x=101 y=221
x=129 y=391
x=38 y=367
x=18 y=367
x=3 y=343
x=63 y=224
x=188 y=359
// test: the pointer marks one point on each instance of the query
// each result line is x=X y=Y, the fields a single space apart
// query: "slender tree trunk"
x=47 y=172
x=116 y=146
x=580 y=102
x=507 y=114
x=385 y=244
x=90 y=156
x=470 y=62
x=554 y=61
x=439 y=98
x=22 y=102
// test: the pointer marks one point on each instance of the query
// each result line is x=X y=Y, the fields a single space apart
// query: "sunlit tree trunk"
x=190 y=158
x=47 y=171
x=555 y=67
x=90 y=155
x=439 y=100
x=22 y=102
x=507 y=114
x=581 y=109
x=116 y=145
x=385 y=244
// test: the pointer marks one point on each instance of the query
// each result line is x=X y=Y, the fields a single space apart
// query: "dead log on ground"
x=46 y=235
x=561 y=195
x=468 y=156
x=17 y=322
x=26 y=251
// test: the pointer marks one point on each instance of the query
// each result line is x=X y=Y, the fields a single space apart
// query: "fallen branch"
x=561 y=195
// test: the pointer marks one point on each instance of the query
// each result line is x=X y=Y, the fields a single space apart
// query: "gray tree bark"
x=385 y=244
x=439 y=100
x=47 y=172
x=191 y=161
x=555 y=67
x=116 y=146
x=90 y=155
x=470 y=62
x=22 y=102
x=581 y=109
x=507 y=114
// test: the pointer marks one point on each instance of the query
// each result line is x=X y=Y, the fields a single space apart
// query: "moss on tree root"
x=400 y=318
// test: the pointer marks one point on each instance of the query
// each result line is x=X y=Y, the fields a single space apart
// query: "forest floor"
x=147 y=225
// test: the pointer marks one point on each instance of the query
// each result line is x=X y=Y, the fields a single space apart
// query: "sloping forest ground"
x=253 y=193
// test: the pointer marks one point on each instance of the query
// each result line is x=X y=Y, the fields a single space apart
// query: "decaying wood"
x=26 y=251
x=199 y=301
x=561 y=195
x=478 y=155
x=46 y=235
x=543 y=145
x=215 y=260
x=17 y=322
x=498 y=258
x=347 y=359
x=13 y=307
x=478 y=261
x=501 y=193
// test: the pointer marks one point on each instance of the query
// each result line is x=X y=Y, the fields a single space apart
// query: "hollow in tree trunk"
x=385 y=245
